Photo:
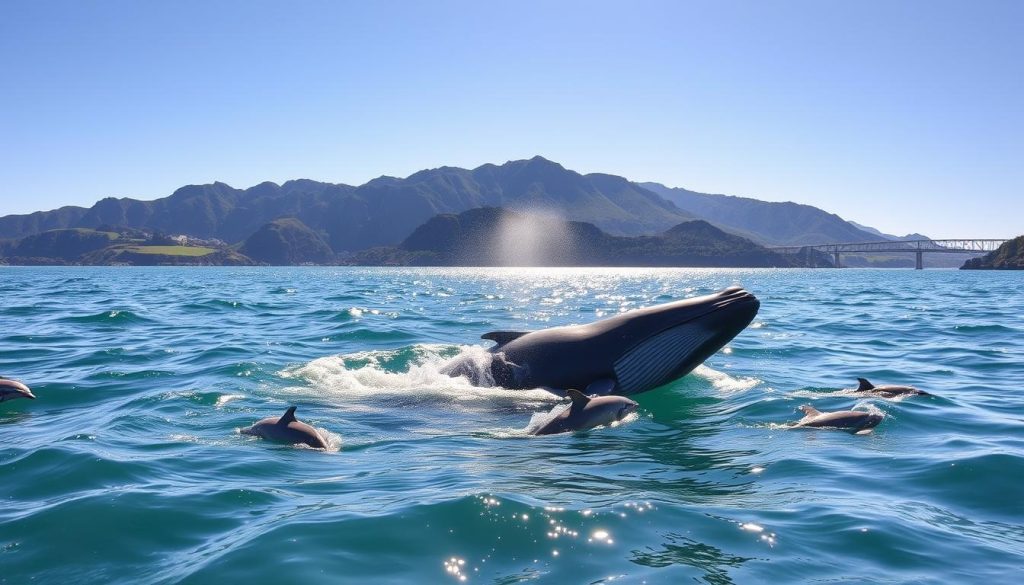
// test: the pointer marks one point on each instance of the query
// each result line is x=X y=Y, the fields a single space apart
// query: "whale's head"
x=667 y=341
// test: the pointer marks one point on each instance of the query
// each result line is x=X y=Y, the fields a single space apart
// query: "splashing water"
x=412 y=374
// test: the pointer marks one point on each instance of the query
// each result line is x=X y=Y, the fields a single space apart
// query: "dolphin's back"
x=843 y=419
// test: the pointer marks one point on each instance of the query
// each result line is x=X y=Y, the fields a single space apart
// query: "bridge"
x=918 y=247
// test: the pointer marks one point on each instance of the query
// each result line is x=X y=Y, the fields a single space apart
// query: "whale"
x=587 y=412
x=287 y=429
x=626 y=354
x=11 y=389
x=887 y=391
x=854 y=420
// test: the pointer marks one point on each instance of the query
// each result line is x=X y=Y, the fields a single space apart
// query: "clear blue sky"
x=907 y=116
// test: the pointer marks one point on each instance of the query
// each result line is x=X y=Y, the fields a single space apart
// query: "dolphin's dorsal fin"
x=809 y=410
x=503 y=337
x=287 y=417
x=579 y=399
x=863 y=384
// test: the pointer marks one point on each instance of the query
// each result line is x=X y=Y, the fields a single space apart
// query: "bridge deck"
x=954 y=246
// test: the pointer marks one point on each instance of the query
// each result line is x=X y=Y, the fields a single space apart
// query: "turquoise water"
x=129 y=467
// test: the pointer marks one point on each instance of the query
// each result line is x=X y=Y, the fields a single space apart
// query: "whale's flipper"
x=601 y=387
x=579 y=400
x=809 y=410
x=503 y=337
x=287 y=417
x=864 y=385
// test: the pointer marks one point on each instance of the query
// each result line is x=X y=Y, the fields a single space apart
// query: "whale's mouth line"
x=732 y=301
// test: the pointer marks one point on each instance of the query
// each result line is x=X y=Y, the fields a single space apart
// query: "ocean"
x=129 y=467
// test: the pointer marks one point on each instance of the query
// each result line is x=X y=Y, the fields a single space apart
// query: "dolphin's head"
x=602 y=410
x=670 y=340
x=11 y=389
x=607 y=410
x=871 y=421
x=625 y=409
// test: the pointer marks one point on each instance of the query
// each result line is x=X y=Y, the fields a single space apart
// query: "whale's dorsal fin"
x=503 y=337
x=579 y=399
x=809 y=410
x=287 y=417
x=863 y=384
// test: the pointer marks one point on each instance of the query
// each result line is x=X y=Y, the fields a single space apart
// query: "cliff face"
x=500 y=237
x=287 y=241
x=1009 y=256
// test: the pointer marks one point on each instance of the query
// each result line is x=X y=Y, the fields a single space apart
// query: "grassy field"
x=110 y=235
x=171 y=250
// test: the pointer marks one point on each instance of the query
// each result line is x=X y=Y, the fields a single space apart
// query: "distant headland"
x=1009 y=256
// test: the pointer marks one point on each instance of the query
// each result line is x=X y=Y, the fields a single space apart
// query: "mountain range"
x=384 y=211
x=380 y=212
x=768 y=222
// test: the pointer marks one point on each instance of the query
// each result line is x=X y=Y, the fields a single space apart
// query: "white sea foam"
x=724 y=382
x=223 y=399
x=539 y=419
x=375 y=375
x=852 y=392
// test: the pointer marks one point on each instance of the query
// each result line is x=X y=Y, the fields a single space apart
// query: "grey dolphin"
x=11 y=389
x=629 y=353
x=855 y=420
x=287 y=429
x=887 y=391
x=587 y=412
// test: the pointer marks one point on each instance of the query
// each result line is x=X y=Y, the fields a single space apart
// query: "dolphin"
x=587 y=412
x=11 y=389
x=855 y=420
x=287 y=429
x=888 y=391
x=627 y=354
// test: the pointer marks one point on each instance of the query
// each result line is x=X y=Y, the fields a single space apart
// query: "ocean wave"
x=113 y=317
